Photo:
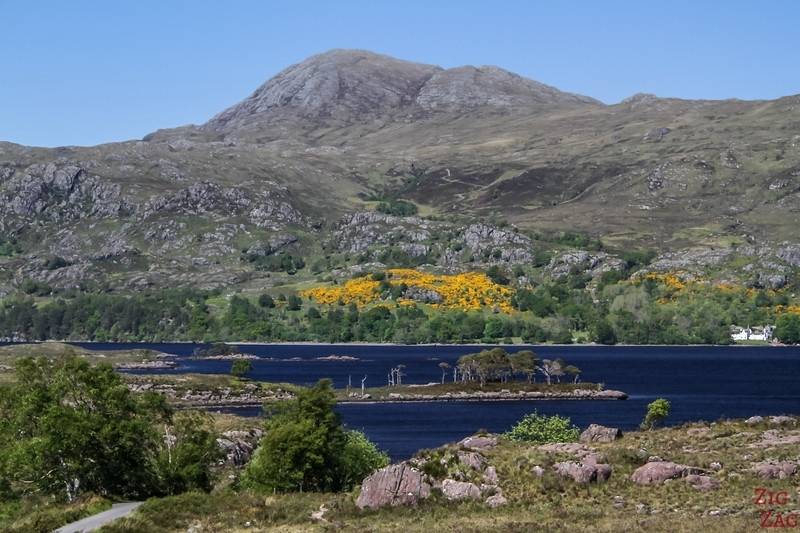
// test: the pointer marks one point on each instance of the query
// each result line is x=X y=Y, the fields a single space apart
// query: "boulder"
x=398 y=484
x=583 y=472
x=496 y=500
x=775 y=469
x=657 y=472
x=479 y=442
x=490 y=476
x=753 y=420
x=472 y=459
x=460 y=490
x=702 y=483
x=781 y=420
x=598 y=433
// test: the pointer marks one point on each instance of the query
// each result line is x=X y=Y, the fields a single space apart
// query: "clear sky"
x=85 y=72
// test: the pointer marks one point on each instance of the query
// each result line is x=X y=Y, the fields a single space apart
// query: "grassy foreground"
x=546 y=503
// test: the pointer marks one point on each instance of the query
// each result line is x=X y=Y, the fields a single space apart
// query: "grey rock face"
x=496 y=500
x=581 y=261
x=486 y=241
x=702 y=483
x=393 y=485
x=265 y=209
x=587 y=472
x=479 y=442
x=657 y=472
x=598 y=433
x=60 y=192
x=342 y=84
x=423 y=295
x=238 y=446
x=460 y=490
x=656 y=134
x=775 y=470
x=468 y=87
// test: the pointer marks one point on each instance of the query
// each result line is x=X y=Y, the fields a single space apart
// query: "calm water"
x=703 y=383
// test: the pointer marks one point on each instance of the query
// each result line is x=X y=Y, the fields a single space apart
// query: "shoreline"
x=423 y=345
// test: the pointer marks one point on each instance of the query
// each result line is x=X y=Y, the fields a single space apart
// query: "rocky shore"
x=483 y=396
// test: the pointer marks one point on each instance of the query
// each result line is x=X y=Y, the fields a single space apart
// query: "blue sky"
x=85 y=72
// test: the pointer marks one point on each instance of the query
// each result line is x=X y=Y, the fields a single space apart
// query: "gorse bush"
x=542 y=429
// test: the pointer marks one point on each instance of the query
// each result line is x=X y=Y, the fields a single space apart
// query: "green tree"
x=603 y=333
x=266 y=301
x=657 y=412
x=305 y=447
x=542 y=429
x=787 y=328
x=67 y=427
x=185 y=453
x=524 y=362
x=294 y=303
x=241 y=367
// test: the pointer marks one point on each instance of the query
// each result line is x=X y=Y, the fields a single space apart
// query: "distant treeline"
x=648 y=312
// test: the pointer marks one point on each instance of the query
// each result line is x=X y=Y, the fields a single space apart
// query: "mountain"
x=298 y=168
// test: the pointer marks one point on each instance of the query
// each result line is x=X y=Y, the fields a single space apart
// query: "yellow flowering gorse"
x=469 y=291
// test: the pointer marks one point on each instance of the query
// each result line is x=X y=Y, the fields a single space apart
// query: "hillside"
x=300 y=166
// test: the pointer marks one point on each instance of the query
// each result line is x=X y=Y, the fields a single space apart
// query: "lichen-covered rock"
x=496 y=500
x=460 y=490
x=583 y=472
x=775 y=469
x=598 y=433
x=657 y=472
x=398 y=484
x=473 y=460
x=581 y=261
x=479 y=442
x=702 y=483
x=490 y=476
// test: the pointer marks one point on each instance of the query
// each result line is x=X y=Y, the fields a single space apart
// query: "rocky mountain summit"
x=345 y=87
x=488 y=158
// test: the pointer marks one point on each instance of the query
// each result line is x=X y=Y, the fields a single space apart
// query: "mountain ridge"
x=341 y=132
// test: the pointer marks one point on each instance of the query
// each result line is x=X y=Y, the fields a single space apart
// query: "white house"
x=752 y=334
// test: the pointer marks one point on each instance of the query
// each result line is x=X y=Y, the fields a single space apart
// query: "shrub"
x=360 y=457
x=657 y=411
x=542 y=429
x=398 y=208
x=305 y=448
x=241 y=367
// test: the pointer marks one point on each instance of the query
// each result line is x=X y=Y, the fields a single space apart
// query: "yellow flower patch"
x=469 y=291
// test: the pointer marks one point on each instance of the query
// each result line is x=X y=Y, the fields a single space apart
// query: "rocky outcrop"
x=598 y=433
x=398 y=484
x=59 y=192
x=460 y=490
x=702 y=483
x=584 y=472
x=238 y=446
x=583 y=262
x=775 y=469
x=479 y=442
x=265 y=209
x=657 y=472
